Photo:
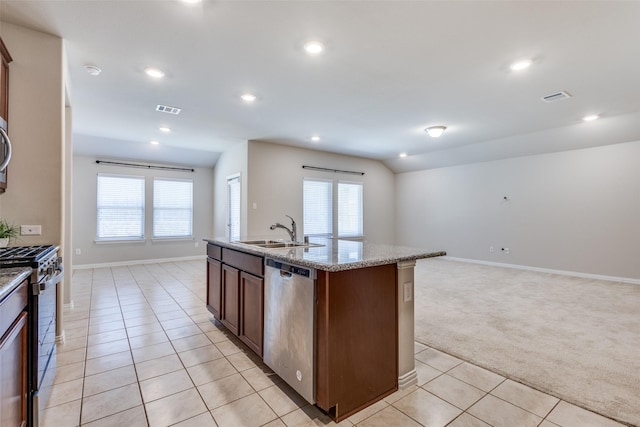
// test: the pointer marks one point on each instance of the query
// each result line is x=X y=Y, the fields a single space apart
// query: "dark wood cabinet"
x=5 y=59
x=230 y=298
x=4 y=81
x=13 y=358
x=357 y=338
x=235 y=293
x=252 y=311
x=214 y=287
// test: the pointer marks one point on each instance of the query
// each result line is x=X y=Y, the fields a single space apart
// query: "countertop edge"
x=278 y=255
x=11 y=278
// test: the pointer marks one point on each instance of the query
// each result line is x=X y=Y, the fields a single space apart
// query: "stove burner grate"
x=24 y=253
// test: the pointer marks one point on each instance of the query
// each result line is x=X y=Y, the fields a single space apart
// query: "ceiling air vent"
x=558 y=96
x=167 y=109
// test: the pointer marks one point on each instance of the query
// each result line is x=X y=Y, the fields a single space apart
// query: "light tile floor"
x=141 y=349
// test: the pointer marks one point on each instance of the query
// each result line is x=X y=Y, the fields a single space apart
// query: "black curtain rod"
x=315 y=168
x=136 y=165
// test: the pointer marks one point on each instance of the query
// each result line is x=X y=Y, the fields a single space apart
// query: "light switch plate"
x=30 y=230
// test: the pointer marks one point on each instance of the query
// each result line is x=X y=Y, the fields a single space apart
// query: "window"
x=317 y=207
x=172 y=207
x=350 y=209
x=233 y=204
x=320 y=218
x=120 y=207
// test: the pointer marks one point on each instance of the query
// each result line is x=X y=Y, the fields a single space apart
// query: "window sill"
x=118 y=241
x=356 y=238
x=172 y=239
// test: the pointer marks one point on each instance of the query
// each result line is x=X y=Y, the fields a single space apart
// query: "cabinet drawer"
x=214 y=251
x=250 y=263
x=12 y=305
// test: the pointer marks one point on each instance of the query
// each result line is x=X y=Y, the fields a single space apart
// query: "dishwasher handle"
x=288 y=270
x=286 y=274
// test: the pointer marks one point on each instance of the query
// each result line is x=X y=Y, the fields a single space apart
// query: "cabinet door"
x=358 y=308
x=230 y=316
x=5 y=58
x=251 y=311
x=214 y=287
x=13 y=373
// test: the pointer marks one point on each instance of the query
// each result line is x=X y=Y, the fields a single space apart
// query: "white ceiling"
x=390 y=69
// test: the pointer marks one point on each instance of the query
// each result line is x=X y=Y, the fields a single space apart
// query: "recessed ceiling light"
x=313 y=47
x=154 y=142
x=435 y=131
x=164 y=129
x=521 y=65
x=590 y=118
x=402 y=155
x=248 y=97
x=154 y=72
x=315 y=138
x=93 y=70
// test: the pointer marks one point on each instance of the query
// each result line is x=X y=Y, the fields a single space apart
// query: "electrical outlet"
x=505 y=250
x=30 y=230
x=196 y=244
x=407 y=291
x=492 y=249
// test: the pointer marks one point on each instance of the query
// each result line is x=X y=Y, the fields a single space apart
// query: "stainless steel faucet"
x=293 y=232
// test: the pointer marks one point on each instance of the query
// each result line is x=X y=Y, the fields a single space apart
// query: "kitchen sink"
x=277 y=244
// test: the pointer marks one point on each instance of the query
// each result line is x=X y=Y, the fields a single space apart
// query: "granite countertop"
x=10 y=278
x=334 y=254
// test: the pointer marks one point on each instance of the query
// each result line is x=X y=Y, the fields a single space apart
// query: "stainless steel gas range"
x=42 y=308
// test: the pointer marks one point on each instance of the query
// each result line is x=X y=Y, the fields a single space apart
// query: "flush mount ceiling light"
x=313 y=47
x=315 y=138
x=435 y=131
x=590 y=118
x=248 y=97
x=164 y=129
x=520 y=65
x=154 y=142
x=402 y=155
x=93 y=70
x=154 y=72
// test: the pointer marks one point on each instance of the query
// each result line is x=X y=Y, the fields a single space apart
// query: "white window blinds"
x=172 y=207
x=233 y=193
x=317 y=207
x=350 y=209
x=120 y=207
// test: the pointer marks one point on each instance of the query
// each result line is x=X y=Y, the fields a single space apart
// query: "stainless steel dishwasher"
x=289 y=324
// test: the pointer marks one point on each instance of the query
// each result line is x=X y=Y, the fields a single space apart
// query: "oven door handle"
x=7 y=156
x=42 y=286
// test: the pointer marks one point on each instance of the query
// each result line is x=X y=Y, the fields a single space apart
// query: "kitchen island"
x=363 y=322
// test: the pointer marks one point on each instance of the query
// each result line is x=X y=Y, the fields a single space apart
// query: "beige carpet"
x=577 y=339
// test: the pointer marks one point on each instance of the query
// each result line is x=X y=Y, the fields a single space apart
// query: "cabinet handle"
x=7 y=142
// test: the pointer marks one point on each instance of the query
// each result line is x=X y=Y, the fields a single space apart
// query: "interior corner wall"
x=576 y=211
x=232 y=161
x=36 y=128
x=84 y=214
x=275 y=187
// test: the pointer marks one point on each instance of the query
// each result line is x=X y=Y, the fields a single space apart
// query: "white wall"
x=84 y=215
x=575 y=211
x=36 y=127
x=232 y=161
x=275 y=186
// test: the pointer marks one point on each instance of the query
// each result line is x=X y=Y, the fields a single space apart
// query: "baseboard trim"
x=548 y=270
x=407 y=380
x=138 y=262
